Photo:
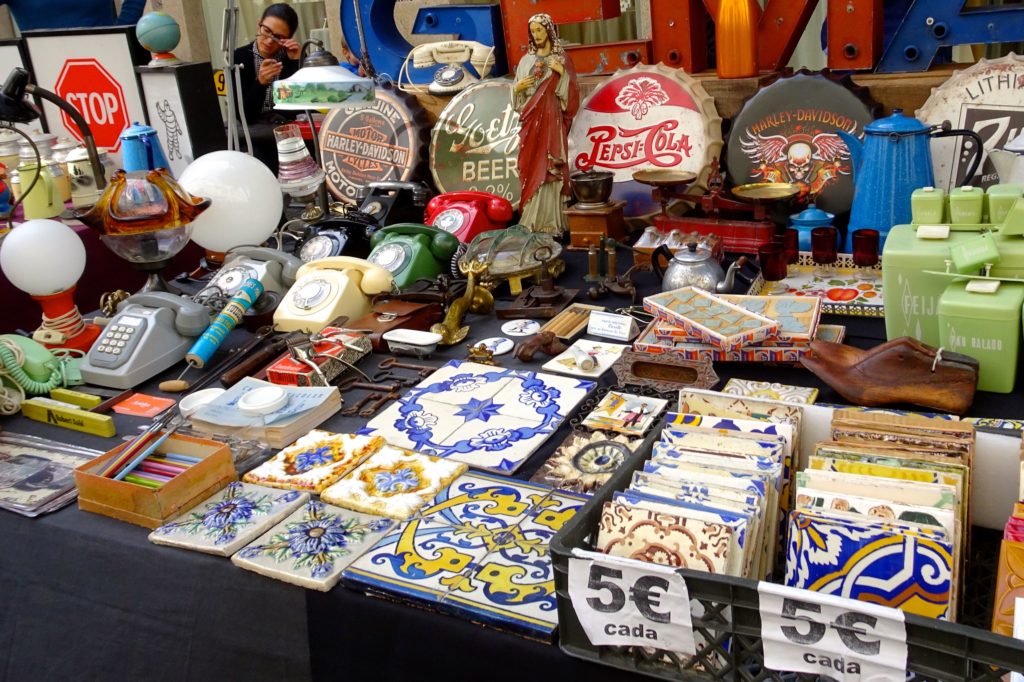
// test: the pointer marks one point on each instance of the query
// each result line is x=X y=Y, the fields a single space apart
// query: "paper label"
x=841 y=638
x=612 y=326
x=627 y=603
x=933 y=231
x=983 y=286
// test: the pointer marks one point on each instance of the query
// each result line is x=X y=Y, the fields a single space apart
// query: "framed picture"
x=93 y=70
x=182 y=104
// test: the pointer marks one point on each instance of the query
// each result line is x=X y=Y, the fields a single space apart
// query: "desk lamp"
x=45 y=259
x=321 y=83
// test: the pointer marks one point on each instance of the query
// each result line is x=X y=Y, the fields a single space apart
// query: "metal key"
x=372 y=408
x=424 y=370
x=349 y=411
x=354 y=382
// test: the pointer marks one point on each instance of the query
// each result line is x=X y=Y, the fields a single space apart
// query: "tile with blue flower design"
x=393 y=482
x=501 y=418
x=230 y=519
x=314 y=461
x=313 y=546
x=419 y=561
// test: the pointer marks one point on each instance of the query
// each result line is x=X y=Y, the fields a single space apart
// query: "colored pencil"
x=184 y=459
x=138 y=480
x=146 y=452
x=156 y=468
x=164 y=459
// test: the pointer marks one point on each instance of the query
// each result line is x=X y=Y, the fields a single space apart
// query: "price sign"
x=621 y=603
x=842 y=638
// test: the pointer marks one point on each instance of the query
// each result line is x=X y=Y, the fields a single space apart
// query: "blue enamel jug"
x=894 y=160
x=141 y=149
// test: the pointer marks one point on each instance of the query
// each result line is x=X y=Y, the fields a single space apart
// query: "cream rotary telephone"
x=328 y=288
x=452 y=55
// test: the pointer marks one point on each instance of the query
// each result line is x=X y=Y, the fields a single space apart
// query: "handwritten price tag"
x=842 y=638
x=621 y=604
x=612 y=326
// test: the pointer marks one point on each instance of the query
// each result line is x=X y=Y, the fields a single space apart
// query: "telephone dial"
x=466 y=214
x=391 y=202
x=274 y=269
x=150 y=332
x=344 y=235
x=410 y=252
x=452 y=55
x=328 y=288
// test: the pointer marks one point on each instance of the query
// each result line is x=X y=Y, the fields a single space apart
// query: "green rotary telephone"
x=410 y=251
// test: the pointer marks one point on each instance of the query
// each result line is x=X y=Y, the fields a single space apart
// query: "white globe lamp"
x=246 y=201
x=45 y=259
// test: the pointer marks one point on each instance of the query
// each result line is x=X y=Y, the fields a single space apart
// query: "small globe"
x=158 y=32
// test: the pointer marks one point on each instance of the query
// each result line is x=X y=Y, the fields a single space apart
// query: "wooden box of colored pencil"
x=205 y=468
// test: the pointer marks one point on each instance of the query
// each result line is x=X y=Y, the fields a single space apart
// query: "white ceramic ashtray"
x=412 y=342
x=191 y=403
x=262 y=401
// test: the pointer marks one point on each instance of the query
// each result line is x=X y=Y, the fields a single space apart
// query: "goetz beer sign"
x=475 y=144
x=376 y=143
x=642 y=118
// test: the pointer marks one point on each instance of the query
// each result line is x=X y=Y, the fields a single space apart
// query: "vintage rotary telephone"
x=338 y=235
x=328 y=288
x=452 y=55
x=410 y=251
x=390 y=202
x=274 y=269
x=467 y=213
x=26 y=364
x=149 y=333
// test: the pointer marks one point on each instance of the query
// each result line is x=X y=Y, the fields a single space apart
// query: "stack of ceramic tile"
x=698 y=325
x=1010 y=574
x=881 y=512
x=708 y=500
x=479 y=550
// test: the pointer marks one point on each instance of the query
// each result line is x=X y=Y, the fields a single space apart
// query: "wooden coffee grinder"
x=593 y=217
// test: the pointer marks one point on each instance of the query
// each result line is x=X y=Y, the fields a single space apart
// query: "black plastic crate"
x=731 y=623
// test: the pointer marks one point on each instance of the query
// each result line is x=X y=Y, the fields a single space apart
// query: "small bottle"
x=736 y=38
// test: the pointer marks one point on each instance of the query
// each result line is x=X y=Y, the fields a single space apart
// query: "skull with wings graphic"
x=809 y=161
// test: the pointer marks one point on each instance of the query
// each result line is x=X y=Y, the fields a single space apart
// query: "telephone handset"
x=274 y=269
x=467 y=213
x=150 y=332
x=410 y=251
x=28 y=364
x=452 y=55
x=328 y=288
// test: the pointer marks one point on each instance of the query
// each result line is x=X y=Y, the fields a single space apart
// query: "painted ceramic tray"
x=479 y=551
x=797 y=316
x=488 y=417
x=711 y=319
x=230 y=519
x=843 y=293
x=312 y=546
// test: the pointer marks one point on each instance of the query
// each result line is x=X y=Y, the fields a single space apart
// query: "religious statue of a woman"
x=546 y=96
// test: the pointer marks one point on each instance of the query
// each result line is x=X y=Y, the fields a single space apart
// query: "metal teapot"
x=694 y=267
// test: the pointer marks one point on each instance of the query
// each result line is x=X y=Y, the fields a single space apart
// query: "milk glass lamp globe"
x=42 y=257
x=246 y=200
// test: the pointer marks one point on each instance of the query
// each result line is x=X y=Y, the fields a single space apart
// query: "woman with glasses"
x=271 y=56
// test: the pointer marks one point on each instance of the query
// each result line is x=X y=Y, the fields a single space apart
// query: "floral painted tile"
x=311 y=547
x=599 y=355
x=314 y=461
x=393 y=482
x=497 y=425
x=625 y=413
x=420 y=560
x=585 y=461
x=230 y=519
x=772 y=390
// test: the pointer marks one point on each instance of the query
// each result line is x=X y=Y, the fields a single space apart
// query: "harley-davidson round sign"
x=642 y=118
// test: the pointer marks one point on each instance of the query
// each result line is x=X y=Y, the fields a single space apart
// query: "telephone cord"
x=70 y=324
x=12 y=358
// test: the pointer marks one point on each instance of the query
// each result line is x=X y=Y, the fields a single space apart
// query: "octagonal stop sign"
x=97 y=95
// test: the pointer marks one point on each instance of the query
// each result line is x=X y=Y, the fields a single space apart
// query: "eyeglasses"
x=267 y=33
